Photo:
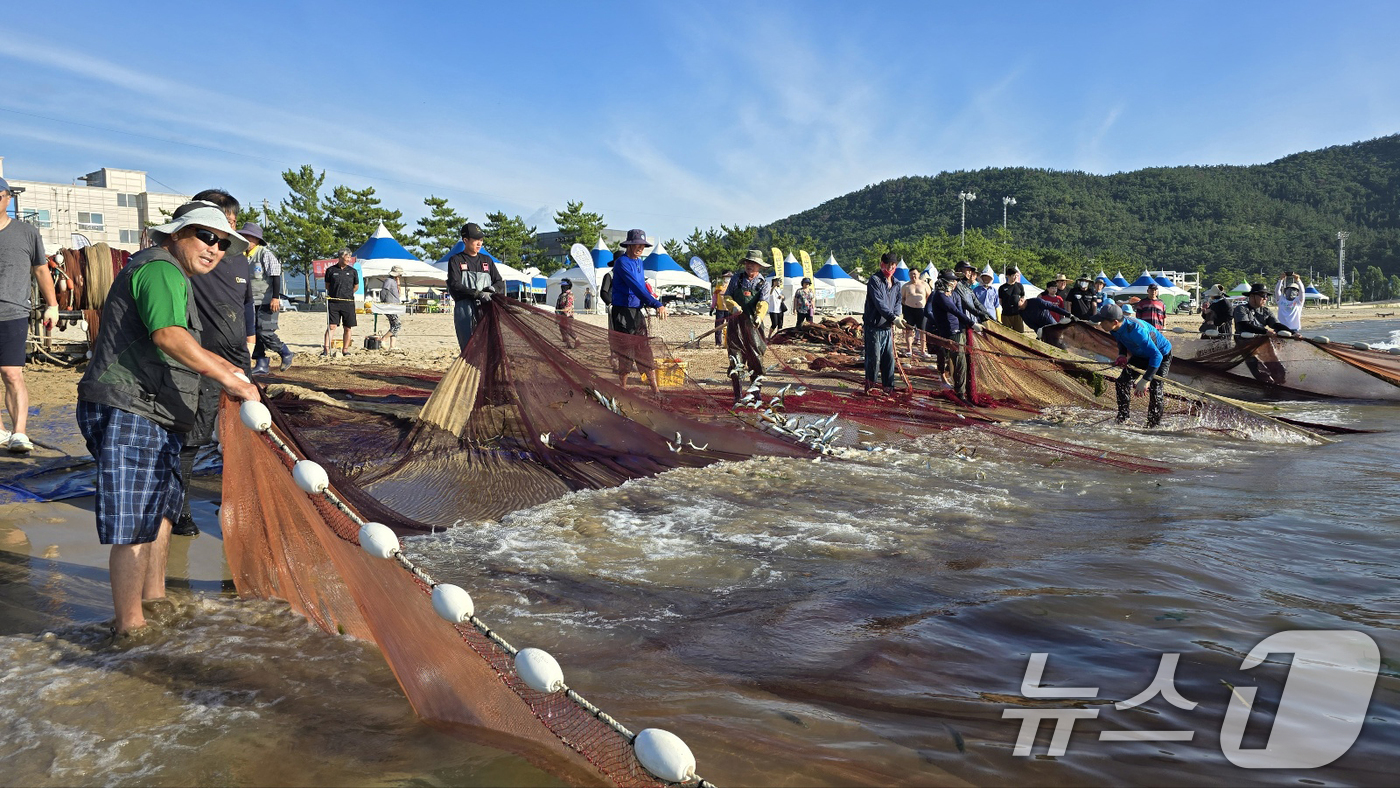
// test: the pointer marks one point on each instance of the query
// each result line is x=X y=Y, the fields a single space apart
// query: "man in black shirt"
x=1013 y=299
x=224 y=299
x=342 y=280
x=1081 y=299
x=472 y=279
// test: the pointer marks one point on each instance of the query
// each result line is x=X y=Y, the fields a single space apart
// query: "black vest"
x=128 y=371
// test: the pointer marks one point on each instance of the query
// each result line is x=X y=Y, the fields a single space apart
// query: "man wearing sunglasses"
x=139 y=397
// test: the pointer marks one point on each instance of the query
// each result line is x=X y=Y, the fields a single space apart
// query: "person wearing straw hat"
x=21 y=257
x=139 y=396
x=747 y=301
x=265 y=270
x=391 y=292
x=625 y=317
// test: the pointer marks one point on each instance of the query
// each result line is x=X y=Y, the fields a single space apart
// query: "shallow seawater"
x=866 y=621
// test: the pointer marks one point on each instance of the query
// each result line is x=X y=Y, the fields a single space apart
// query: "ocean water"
x=858 y=622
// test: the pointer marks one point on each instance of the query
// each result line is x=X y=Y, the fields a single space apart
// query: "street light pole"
x=1341 y=264
x=1005 y=202
x=964 y=197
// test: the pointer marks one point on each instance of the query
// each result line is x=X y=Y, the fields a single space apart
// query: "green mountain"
x=1222 y=220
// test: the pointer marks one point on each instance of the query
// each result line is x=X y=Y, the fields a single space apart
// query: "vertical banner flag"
x=778 y=260
x=698 y=266
x=579 y=254
x=806 y=263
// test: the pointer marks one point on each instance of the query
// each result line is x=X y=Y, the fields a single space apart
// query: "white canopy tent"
x=848 y=294
x=382 y=252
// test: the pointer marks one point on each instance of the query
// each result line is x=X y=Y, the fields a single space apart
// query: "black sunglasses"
x=208 y=238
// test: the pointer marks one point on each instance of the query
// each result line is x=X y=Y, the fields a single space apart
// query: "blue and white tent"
x=1311 y=293
x=848 y=294
x=381 y=252
x=791 y=276
x=602 y=255
x=931 y=271
x=602 y=262
x=663 y=271
x=1108 y=282
x=1119 y=280
x=901 y=271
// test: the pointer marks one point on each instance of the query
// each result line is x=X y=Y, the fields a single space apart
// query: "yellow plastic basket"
x=670 y=372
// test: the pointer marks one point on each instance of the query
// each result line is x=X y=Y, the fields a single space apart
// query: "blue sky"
x=672 y=115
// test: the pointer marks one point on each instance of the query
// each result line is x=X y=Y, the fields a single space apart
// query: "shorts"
x=395 y=323
x=914 y=316
x=14 y=338
x=138 y=472
x=341 y=312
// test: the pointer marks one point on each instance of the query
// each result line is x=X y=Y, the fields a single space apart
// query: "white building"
x=113 y=208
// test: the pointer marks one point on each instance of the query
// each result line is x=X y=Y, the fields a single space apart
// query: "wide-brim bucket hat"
x=756 y=256
x=636 y=238
x=252 y=230
x=206 y=216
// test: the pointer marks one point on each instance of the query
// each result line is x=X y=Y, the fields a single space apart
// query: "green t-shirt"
x=159 y=290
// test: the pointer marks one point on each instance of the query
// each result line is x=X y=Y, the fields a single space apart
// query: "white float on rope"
x=1247 y=335
x=452 y=603
x=1361 y=346
x=664 y=755
x=310 y=477
x=255 y=416
x=1321 y=340
x=380 y=541
x=539 y=670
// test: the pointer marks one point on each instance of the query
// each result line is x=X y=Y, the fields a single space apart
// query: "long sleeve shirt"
x=1255 y=321
x=469 y=274
x=1137 y=339
x=629 y=285
x=970 y=304
x=882 y=304
x=946 y=316
x=1290 y=310
x=1039 y=313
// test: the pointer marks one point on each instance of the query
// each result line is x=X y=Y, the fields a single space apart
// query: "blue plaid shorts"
x=138 y=472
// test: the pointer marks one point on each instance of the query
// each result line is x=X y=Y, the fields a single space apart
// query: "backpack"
x=605 y=289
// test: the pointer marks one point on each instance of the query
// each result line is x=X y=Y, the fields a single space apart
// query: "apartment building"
x=107 y=206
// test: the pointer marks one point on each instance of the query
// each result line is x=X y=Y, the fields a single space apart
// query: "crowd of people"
x=194 y=315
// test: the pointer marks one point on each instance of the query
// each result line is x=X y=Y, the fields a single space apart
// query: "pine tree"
x=510 y=240
x=297 y=228
x=355 y=214
x=578 y=226
x=439 y=231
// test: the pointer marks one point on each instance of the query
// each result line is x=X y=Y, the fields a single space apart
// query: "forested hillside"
x=1223 y=220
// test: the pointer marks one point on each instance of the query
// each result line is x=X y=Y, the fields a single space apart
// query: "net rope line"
x=480 y=626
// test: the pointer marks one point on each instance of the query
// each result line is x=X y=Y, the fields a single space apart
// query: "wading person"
x=1012 y=295
x=21 y=256
x=564 y=313
x=804 y=303
x=224 y=299
x=878 y=318
x=628 y=341
x=913 y=298
x=472 y=279
x=139 y=395
x=1254 y=319
x=747 y=300
x=342 y=280
x=948 y=320
x=1141 y=346
x=265 y=271
x=391 y=292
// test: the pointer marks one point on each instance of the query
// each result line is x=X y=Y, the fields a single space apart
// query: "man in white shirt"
x=1290 y=295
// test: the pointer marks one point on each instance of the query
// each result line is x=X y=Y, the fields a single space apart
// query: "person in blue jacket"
x=1139 y=345
x=626 y=319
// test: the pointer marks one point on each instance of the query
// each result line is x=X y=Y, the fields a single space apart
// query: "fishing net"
x=1269 y=367
x=535 y=407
